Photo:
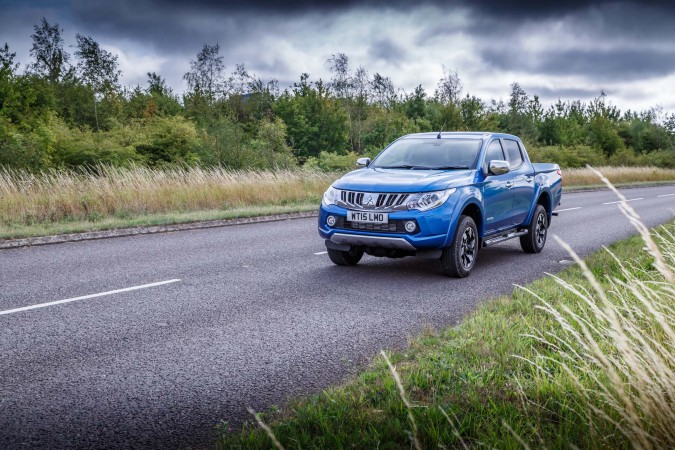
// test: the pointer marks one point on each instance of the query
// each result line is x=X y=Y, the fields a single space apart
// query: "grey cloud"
x=610 y=65
x=517 y=8
x=533 y=9
x=639 y=22
x=640 y=33
x=387 y=50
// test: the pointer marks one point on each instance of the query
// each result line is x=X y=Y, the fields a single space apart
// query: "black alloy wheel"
x=459 y=258
x=535 y=239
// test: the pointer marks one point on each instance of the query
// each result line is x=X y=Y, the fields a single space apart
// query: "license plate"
x=367 y=217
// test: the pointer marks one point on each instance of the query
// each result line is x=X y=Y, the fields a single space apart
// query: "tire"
x=458 y=259
x=535 y=239
x=348 y=258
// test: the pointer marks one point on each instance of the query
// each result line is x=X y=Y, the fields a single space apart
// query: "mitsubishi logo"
x=368 y=200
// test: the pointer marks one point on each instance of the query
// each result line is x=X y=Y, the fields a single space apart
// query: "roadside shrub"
x=332 y=162
x=269 y=145
x=568 y=157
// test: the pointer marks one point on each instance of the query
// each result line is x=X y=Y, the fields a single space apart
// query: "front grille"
x=373 y=201
x=394 y=226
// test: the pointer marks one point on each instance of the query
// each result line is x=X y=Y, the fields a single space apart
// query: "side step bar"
x=503 y=237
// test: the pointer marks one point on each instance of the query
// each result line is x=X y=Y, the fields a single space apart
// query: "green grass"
x=502 y=378
x=17 y=231
x=634 y=184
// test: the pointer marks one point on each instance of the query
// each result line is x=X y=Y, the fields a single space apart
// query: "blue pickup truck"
x=440 y=195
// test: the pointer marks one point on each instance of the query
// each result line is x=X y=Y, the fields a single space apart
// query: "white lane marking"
x=665 y=195
x=84 y=297
x=320 y=253
x=568 y=209
x=619 y=201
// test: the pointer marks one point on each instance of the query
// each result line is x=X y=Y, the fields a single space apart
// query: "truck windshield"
x=429 y=154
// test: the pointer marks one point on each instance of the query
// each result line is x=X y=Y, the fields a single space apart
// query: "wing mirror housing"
x=499 y=167
x=362 y=162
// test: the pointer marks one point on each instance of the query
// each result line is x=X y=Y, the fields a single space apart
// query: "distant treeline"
x=67 y=110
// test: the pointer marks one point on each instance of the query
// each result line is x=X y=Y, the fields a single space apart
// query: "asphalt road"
x=259 y=314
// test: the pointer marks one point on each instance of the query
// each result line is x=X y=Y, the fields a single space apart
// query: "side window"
x=515 y=158
x=494 y=151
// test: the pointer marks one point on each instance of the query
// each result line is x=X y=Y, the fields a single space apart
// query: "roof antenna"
x=439 y=133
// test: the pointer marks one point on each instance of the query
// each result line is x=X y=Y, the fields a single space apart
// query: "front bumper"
x=432 y=231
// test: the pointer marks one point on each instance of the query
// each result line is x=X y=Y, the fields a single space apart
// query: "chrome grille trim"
x=373 y=201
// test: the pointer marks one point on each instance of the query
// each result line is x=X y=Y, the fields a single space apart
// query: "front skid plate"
x=372 y=241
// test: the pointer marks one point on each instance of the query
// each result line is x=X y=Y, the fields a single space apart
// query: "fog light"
x=410 y=226
x=330 y=220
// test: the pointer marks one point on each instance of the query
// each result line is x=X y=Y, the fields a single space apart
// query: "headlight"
x=429 y=200
x=330 y=197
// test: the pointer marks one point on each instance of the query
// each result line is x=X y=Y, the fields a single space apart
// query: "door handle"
x=509 y=184
x=528 y=179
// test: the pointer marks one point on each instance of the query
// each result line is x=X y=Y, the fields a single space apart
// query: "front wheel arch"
x=459 y=258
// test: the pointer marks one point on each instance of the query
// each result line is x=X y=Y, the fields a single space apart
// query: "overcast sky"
x=571 y=49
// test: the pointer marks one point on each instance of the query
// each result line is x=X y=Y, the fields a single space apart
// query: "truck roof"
x=460 y=134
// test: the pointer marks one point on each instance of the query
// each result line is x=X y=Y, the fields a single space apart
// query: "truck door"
x=497 y=197
x=522 y=181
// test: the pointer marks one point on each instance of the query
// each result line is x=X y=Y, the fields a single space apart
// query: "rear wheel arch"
x=545 y=201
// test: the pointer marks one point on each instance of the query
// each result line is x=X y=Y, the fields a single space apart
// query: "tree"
x=601 y=130
x=383 y=90
x=341 y=82
x=472 y=110
x=449 y=87
x=50 y=58
x=668 y=122
x=518 y=100
x=315 y=121
x=352 y=93
x=7 y=64
x=261 y=99
x=205 y=77
x=98 y=68
x=239 y=80
x=415 y=102
x=157 y=85
x=520 y=119
x=269 y=145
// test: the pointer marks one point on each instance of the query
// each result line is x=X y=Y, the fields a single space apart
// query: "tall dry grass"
x=60 y=195
x=71 y=195
x=616 y=175
x=617 y=344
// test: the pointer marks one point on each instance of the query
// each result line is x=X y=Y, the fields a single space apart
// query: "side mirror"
x=362 y=162
x=499 y=167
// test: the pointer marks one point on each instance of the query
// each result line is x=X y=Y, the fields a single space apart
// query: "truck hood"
x=403 y=180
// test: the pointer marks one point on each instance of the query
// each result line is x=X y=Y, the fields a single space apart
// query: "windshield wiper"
x=447 y=168
x=402 y=166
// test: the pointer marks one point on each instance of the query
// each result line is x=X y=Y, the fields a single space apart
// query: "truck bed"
x=545 y=167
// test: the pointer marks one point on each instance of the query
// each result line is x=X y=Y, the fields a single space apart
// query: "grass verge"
x=618 y=176
x=586 y=360
x=112 y=223
x=59 y=202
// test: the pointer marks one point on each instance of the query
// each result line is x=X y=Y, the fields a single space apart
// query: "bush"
x=269 y=146
x=568 y=157
x=332 y=162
